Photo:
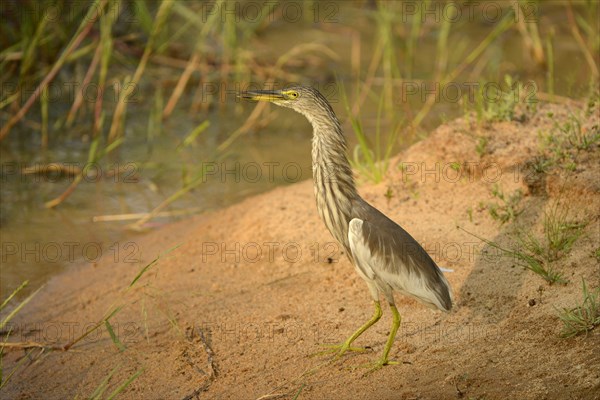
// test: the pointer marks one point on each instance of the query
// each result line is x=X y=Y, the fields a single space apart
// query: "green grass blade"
x=9 y=298
x=101 y=388
x=147 y=267
x=18 y=308
x=125 y=384
x=191 y=137
x=113 y=336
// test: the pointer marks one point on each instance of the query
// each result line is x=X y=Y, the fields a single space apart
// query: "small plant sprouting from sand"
x=507 y=207
x=526 y=260
x=560 y=231
x=585 y=316
x=481 y=146
x=409 y=184
x=596 y=254
x=101 y=388
x=470 y=213
x=539 y=254
x=567 y=138
x=503 y=106
x=501 y=110
x=575 y=136
x=541 y=164
x=4 y=321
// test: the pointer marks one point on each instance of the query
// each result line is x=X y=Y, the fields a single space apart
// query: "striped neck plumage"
x=332 y=175
x=330 y=164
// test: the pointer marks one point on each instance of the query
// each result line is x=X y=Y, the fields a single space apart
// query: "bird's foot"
x=338 y=350
x=374 y=366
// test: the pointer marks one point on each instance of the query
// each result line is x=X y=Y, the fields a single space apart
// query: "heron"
x=384 y=255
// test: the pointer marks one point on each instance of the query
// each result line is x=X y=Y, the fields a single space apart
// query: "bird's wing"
x=384 y=251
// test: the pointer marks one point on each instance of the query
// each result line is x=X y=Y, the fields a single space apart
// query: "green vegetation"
x=541 y=164
x=112 y=310
x=470 y=214
x=153 y=58
x=596 y=254
x=410 y=184
x=494 y=103
x=571 y=135
x=560 y=233
x=526 y=260
x=481 y=147
x=389 y=194
x=566 y=139
x=113 y=47
x=585 y=316
x=372 y=161
x=103 y=386
x=535 y=253
x=372 y=154
x=495 y=99
x=4 y=323
x=506 y=209
x=140 y=52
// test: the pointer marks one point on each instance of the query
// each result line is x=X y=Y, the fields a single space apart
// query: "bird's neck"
x=332 y=175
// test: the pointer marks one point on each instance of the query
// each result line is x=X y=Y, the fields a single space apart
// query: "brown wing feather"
x=399 y=258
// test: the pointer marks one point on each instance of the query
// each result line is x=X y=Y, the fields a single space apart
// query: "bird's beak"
x=262 y=95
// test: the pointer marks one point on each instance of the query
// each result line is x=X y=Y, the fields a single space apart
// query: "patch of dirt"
x=253 y=290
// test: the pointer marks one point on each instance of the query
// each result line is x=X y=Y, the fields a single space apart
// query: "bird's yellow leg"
x=341 y=348
x=396 y=319
x=395 y=325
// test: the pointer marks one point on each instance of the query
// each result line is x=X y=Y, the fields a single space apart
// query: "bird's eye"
x=293 y=95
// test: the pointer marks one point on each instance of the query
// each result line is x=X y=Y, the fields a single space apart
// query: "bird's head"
x=303 y=99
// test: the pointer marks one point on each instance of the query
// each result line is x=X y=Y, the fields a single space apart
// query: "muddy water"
x=38 y=243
